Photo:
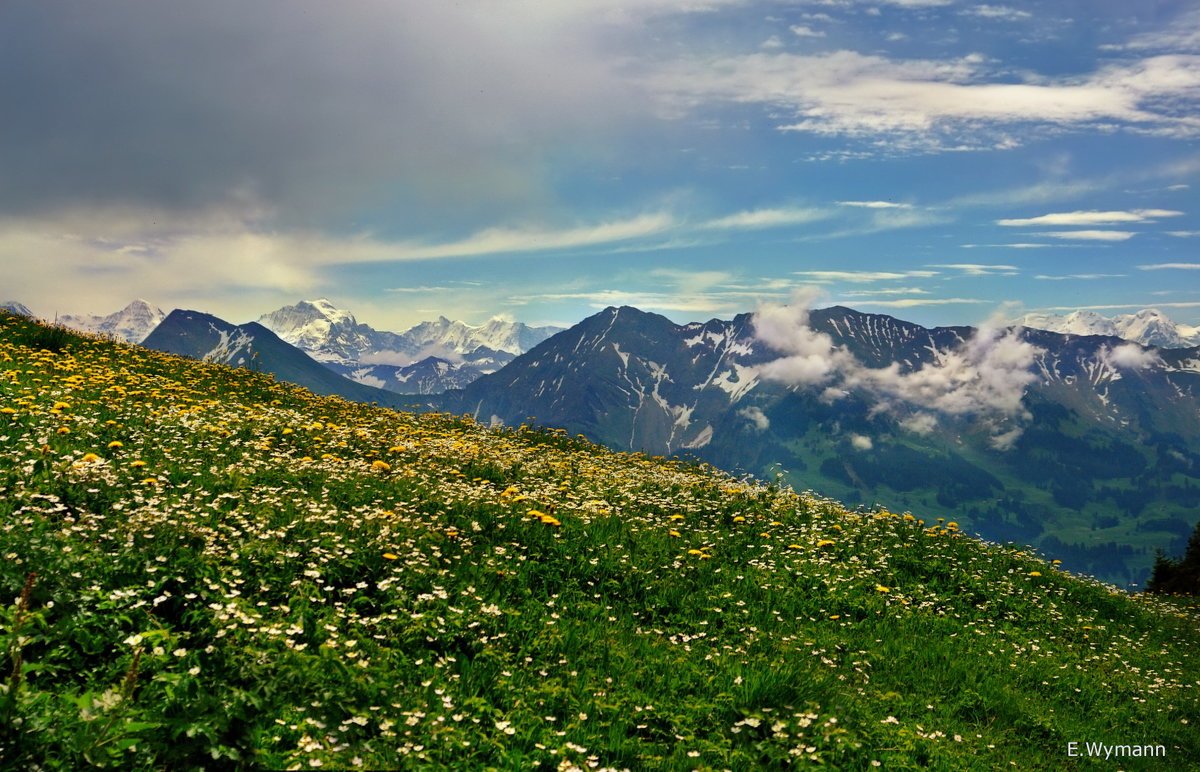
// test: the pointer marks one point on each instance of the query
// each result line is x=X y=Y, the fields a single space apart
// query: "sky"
x=943 y=161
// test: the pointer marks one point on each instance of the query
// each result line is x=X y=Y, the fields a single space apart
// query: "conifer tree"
x=1178 y=575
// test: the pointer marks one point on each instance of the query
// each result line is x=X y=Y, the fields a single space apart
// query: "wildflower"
x=150 y=481
x=739 y=519
x=826 y=543
x=390 y=556
x=795 y=547
x=675 y=517
x=7 y=410
x=536 y=513
x=674 y=533
x=881 y=588
x=63 y=430
x=61 y=406
x=1035 y=573
x=115 y=444
x=89 y=458
x=137 y=463
x=381 y=466
x=835 y=616
x=694 y=552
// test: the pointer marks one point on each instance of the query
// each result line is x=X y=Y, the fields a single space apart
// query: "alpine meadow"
x=204 y=567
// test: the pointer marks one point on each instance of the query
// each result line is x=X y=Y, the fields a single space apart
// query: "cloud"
x=1093 y=217
x=875 y=204
x=501 y=240
x=757 y=417
x=978 y=269
x=1001 y=12
x=985 y=377
x=1018 y=245
x=861 y=442
x=1090 y=235
x=930 y=104
x=1129 y=356
x=806 y=32
x=1170 y=266
x=766 y=218
x=1080 y=276
x=914 y=302
x=856 y=277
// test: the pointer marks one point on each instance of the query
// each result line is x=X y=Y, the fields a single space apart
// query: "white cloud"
x=1129 y=356
x=1018 y=245
x=979 y=269
x=985 y=377
x=1093 y=217
x=861 y=442
x=806 y=32
x=1002 y=12
x=757 y=417
x=766 y=218
x=875 y=204
x=1171 y=266
x=824 y=277
x=1080 y=276
x=927 y=104
x=915 y=302
x=1090 y=235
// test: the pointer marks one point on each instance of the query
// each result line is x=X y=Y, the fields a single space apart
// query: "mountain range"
x=205 y=337
x=1150 y=327
x=426 y=359
x=1082 y=445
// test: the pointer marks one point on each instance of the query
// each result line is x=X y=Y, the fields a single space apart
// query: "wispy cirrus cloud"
x=1044 y=277
x=1090 y=235
x=1092 y=218
x=875 y=204
x=824 y=277
x=931 y=104
x=1171 y=267
x=980 y=269
x=766 y=218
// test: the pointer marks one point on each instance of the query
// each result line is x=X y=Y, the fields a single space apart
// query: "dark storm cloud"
x=302 y=107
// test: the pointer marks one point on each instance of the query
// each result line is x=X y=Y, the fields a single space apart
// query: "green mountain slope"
x=205 y=567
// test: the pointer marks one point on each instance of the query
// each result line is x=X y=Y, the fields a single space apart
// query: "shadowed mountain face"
x=1083 y=445
x=252 y=346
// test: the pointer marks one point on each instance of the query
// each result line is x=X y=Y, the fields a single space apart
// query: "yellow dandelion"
x=150 y=481
x=137 y=463
x=739 y=519
x=550 y=520
x=835 y=616
x=1056 y=562
x=61 y=406
x=115 y=444
x=289 y=430
x=826 y=543
x=674 y=533
x=390 y=556
x=795 y=547
x=675 y=517
x=7 y=410
x=694 y=552
x=881 y=588
x=1035 y=573
x=381 y=466
x=63 y=430
x=536 y=513
x=89 y=458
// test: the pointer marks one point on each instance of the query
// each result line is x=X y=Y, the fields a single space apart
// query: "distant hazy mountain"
x=131 y=324
x=429 y=358
x=252 y=346
x=17 y=308
x=1086 y=447
x=1150 y=327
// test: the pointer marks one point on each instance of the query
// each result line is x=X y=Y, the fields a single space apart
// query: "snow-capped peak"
x=131 y=324
x=20 y=309
x=1150 y=327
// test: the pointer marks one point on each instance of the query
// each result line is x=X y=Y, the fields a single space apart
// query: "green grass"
x=203 y=567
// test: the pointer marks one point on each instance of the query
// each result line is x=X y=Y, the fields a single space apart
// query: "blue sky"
x=938 y=160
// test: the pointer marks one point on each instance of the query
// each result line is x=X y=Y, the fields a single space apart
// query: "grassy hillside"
x=203 y=567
